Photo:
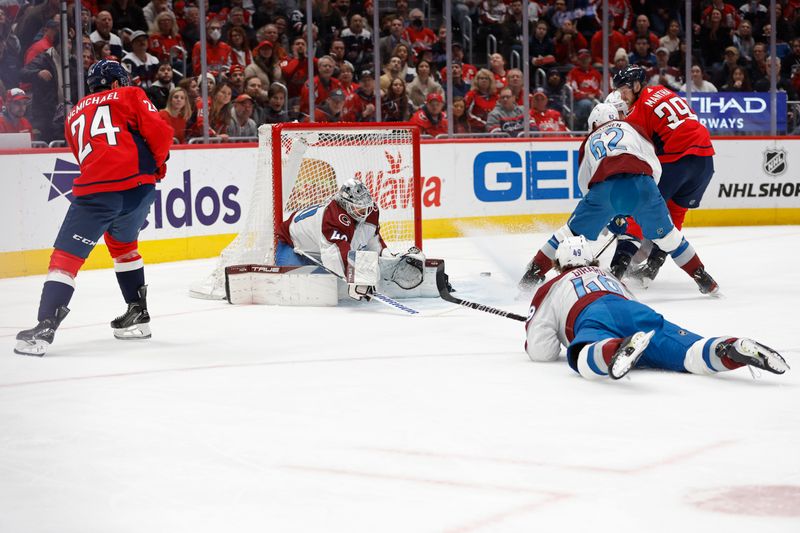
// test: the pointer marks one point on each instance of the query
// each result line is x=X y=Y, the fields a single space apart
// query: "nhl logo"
x=775 y=161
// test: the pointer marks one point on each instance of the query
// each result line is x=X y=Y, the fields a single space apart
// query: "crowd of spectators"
x=256 y=53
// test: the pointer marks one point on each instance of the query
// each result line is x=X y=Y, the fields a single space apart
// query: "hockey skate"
x=648 y=271
x=752 y=353
x=628 y=353
x=135 y=322
x=619 y=265
x=533 y=276
x=705 y=282
x=35 y=341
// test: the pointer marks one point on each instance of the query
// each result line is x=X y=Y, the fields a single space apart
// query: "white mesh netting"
x=314 y=161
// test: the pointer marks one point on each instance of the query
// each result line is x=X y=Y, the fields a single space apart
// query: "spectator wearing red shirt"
x=346 y=83
x=13 y=118
x=324 y=83
x=468 y=71
x=615 y=41
x=431 y=118
x=218 y=53
x=730 y=17
x=240 y=47
x=585 y=81
x=620 y=14
x=360 y=106
x=165 y=36
x=481 y=99
x=177 y=113
x=498 y=67
x=48 y=40
x=295 y=70
x=545 y=119
x=417 y=34
x=642 y=30
x=567 y=43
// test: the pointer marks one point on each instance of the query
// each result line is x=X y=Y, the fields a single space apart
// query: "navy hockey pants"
x=685 y=180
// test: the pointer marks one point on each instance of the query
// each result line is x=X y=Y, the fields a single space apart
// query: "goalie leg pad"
x=274 y=285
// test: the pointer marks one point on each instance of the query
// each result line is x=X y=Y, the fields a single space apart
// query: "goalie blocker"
x=410 y=275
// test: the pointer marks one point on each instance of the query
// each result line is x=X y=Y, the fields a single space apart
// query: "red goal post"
x=304 y=164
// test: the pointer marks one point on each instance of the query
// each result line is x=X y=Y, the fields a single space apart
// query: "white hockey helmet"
x=574 y=252
x=354 y=197
x=601 y=114
x=615 y=99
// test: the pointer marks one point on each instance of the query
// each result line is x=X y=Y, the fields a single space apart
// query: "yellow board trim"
x=31 y=262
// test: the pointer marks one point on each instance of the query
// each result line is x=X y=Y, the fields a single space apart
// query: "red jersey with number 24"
x=671 y=124
x=119 y=140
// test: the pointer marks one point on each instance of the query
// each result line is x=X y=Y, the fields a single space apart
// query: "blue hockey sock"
x=129 y=283
x=55 y=293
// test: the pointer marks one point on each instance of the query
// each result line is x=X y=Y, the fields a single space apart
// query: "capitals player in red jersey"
x=122 y=145
x=607 y=332
x=349 y=221
x=683 y=146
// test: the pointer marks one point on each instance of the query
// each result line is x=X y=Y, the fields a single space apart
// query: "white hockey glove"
x=362 y=273
x=408 y=273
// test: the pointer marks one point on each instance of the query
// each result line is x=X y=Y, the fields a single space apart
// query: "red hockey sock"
x=677 y=213
x=544 y=262
x=729 y=363
x=609 y=349
x=634 y=229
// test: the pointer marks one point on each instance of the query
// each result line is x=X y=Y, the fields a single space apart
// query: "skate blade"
x=135 y=332
x=622 y=365
x=36 y=348
x=763 y=357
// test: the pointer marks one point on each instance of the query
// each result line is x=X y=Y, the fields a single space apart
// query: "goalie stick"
x=444 y=291
x=382 y=298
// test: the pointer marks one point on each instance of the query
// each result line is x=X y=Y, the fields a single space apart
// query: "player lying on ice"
x=607 y=332
x=618 y=174
x=349 y=223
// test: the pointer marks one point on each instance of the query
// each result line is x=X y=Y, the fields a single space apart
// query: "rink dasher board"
x=505 y=185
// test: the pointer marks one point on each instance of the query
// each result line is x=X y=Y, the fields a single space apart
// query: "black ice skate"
x=35 y=341
x=628 y=353
x=619 y=265
x=533 y=276
x=648 y=271
x=750 y=352
x=705 y=282
x=135 y=323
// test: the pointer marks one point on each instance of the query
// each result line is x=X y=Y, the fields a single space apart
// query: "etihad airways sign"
x=729 y=113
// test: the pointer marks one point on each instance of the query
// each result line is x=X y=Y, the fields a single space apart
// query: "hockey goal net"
x=301 y=165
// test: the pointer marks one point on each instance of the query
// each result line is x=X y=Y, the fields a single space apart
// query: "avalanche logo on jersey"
x=344 y=220
x=775 y=161
x=61 y=179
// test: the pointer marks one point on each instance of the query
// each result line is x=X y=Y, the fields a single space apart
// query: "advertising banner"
x=733 y=113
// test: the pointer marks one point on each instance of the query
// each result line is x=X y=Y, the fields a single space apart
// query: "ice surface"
x=357 y=419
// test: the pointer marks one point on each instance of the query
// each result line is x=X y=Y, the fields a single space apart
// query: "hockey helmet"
x=615 y=99
x=354 y=197
x=601 y=114
x=105 y=72
x=574 y=252
x=628 y=75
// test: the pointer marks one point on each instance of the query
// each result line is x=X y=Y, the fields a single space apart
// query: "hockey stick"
x=606 y=245
x=444 y=291
x=382 y=298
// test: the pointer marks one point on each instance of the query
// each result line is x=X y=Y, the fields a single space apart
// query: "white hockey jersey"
x=329 y=232
x=616 y=147
x=557 y=304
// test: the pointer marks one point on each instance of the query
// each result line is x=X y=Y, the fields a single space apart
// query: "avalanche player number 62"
x=674 y=108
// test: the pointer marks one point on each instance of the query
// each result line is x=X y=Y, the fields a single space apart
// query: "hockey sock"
x=130 y=280
x=594 y=358
x=57 y=291
x=702 y=358
x=634 y=229
x=677 y=213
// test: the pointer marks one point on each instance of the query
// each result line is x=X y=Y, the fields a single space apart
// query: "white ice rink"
x=356 y=419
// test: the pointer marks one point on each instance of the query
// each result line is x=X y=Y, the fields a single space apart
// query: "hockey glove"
x=161 y=172
x=618 y=225
x=358 y=292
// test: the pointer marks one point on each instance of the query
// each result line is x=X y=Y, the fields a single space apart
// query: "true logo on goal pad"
x=775 y=162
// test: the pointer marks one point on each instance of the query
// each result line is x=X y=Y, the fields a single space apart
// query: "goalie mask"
x=574 y=252
x=354 y=198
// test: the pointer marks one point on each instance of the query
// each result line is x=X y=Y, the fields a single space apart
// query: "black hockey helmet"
x=103 y=73
x=628 y=75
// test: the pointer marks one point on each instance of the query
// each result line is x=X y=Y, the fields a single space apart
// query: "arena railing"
x=222 y=140
x=515 y=61
x=466 y=39
x=173 y=53
x=491 y=46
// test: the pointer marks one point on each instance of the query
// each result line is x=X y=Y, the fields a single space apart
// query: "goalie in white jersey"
x=618 y=177
x=607 y=332
x=349 y=222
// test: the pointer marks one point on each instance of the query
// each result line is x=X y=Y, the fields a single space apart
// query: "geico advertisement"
x=203 y=194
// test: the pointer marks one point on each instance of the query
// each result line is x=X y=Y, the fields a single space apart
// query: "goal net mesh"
x=300 y=165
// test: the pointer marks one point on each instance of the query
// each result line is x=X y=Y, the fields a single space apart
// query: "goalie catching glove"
x=405 y=270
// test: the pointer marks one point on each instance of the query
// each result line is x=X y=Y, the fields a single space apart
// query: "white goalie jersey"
x=329 y=233
x=616 y=147
x=557 y=304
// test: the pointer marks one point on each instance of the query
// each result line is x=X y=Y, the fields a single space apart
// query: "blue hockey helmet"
x=103 y=73
x=628 y=75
